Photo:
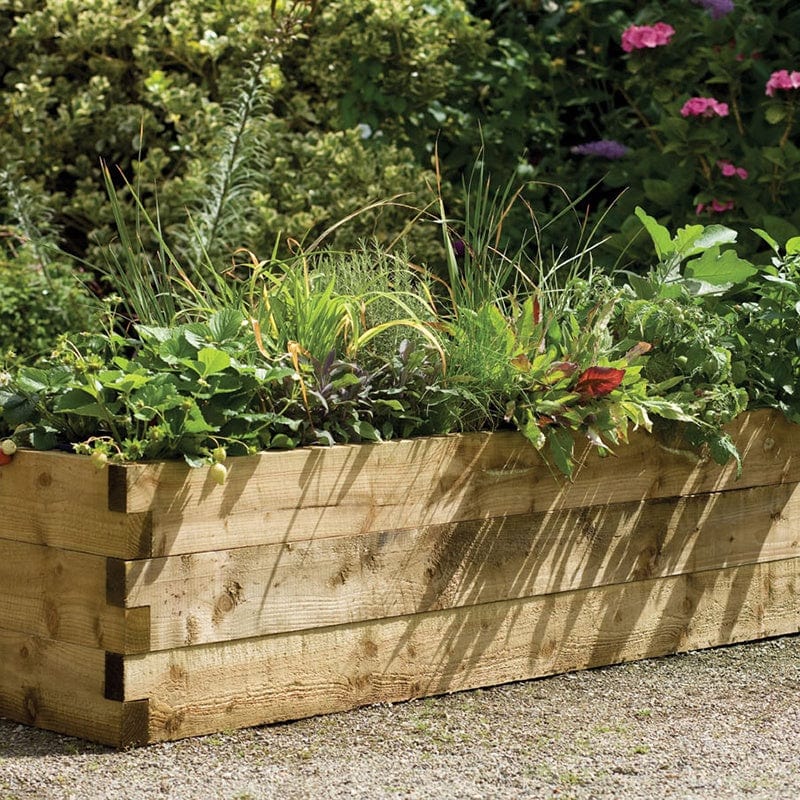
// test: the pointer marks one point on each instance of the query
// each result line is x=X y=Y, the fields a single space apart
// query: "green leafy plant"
x=767 y=344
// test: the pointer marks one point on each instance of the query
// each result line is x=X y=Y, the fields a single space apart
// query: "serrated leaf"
x=718 y=268
x=225 y=324
x=723 y=450
x=213 y=361
x=533 y=432
x=77 y=401
x=667 y=410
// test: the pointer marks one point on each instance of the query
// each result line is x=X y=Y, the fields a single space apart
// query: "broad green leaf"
x=533 y=433
x=714 y=235
x=658 y=233
x=775 y=114
x=16 y=410
x=686 y=238
x=667 y=410
x=642 y=288
x=226 y=324
x=718 y=268
x=156 y=333
x=122 y=382
x=705 y=289
x=77 y=401
x=348 y=379
x=366 y=431
x=43 y=438
x=723 y=450
x=33 y=380
x=195 y=422
x=176 y=348
x=793 y=246
x=561 y=446
x=767 y=238
x=393 y=405
x=213 y=361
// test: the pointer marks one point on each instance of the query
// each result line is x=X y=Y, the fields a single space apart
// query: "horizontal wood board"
x=315 y=493
x=214 y=687
x=167 y=508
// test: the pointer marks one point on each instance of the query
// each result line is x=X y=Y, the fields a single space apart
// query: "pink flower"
x=729 y=170
x=704 y=107
x=717 y=206
x=638 y=37
x=783 y=79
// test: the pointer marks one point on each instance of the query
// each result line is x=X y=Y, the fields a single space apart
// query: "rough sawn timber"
x=142 y=603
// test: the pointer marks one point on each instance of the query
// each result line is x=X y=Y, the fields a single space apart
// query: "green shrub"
x=158 y=92
x=37 y=305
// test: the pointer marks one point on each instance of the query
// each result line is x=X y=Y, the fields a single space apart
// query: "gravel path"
x=722 y=723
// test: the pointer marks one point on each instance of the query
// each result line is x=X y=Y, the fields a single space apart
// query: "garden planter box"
x=144 y=603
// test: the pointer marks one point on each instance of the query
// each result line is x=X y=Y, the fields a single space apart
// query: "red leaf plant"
x=598 y=382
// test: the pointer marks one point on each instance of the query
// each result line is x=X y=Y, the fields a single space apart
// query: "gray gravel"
x=721 y=723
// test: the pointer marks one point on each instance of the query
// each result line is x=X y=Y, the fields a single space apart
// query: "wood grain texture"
x=255 y=591
x=61 y=595
x=59 y=686
x=314 y=493
x=60 y=499
x=207 y=688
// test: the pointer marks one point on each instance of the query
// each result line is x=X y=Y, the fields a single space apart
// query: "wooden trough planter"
x=145 y=603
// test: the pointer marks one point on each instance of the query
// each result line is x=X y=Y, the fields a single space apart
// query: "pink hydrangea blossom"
x=638 y=37
x=782 y=79
x=730 y=171
x=717 y=206
x=704 y=107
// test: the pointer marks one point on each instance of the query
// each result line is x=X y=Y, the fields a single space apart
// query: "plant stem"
x=736 y=115
x=643 y=119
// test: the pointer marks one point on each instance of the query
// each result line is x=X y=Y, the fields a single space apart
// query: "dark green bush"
x=588 y=89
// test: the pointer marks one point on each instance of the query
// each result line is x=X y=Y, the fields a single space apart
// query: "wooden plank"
x=293 y=496
x=61 y=594
x=60 y=499
x=59 y=686
x=232 y=594
x=207 y=688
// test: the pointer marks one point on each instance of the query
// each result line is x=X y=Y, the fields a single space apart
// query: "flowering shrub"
x=782 y=79
x=700 y=100
x=638 y=37
x=729 y=170
x=704 y=107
